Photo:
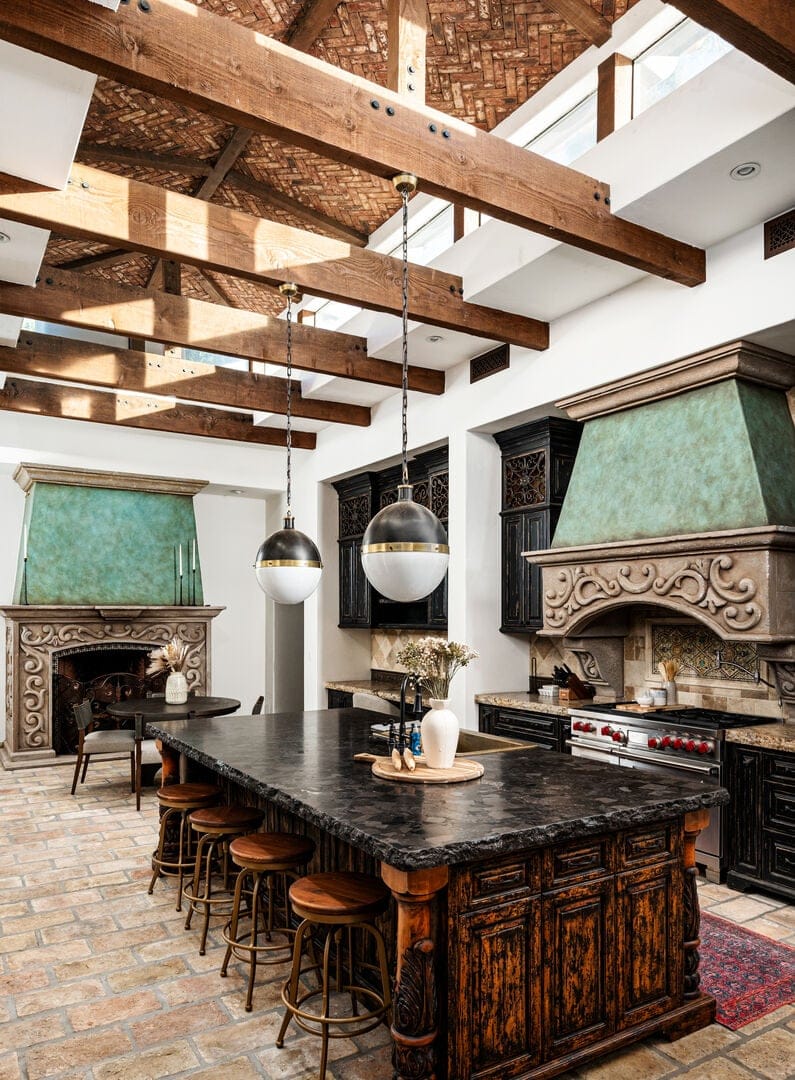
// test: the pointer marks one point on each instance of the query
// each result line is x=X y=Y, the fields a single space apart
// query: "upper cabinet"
x=537 y=460
x=362 y=496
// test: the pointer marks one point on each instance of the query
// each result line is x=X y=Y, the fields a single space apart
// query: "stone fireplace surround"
x=36 y=634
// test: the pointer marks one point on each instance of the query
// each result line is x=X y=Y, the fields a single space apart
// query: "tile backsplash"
x=386 y=644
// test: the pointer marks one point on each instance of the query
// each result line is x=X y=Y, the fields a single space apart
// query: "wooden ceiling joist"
x=152 y=413
x=228 y=71
x=102 y=258
x=407 y=32
x=580 y=15
x=73 y=299
x=764 y=29
x=146 y=159
x=304 y=31
x=111 y=209
x=44 y=356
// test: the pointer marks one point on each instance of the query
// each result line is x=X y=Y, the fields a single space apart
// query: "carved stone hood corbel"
x=683 y=496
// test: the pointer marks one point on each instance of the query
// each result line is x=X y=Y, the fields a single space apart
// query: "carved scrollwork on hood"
x=696 y=582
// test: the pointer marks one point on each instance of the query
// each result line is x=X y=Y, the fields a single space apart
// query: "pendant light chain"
x=405 y=194
x=289 y=400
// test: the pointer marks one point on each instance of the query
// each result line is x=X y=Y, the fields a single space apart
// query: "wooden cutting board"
x=461 y=769
x=634 y=707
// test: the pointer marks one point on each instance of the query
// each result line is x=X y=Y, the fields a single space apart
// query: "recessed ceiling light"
x=236 y=491
x=746 y=170
x=5 y=238
x=434 y=338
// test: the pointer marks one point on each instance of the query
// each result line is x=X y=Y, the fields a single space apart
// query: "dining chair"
x=117 y=741
x=256 y=708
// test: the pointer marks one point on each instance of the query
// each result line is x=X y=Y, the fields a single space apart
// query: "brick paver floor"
x=99 y=980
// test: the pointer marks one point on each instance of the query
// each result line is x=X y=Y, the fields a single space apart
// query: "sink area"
x=475 y=743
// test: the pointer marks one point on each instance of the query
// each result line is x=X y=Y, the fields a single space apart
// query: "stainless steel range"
x=684 y=740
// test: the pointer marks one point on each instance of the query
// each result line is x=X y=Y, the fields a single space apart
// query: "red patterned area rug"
x=748 y=975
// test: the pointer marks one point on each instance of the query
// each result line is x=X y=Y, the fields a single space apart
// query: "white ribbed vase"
x=439 y=729
x=176 y=688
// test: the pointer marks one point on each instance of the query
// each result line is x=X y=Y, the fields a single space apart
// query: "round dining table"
x=157 y=708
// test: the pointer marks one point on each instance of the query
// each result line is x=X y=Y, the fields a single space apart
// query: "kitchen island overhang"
x=554 y=900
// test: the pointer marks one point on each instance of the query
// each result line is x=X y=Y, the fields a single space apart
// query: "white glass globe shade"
x=288 y=584
x=288 y=565
x=405 y=575
x=404 y=549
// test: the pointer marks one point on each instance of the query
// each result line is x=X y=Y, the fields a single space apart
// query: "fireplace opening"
x=104 y=674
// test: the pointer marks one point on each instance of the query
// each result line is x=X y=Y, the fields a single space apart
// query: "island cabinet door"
x=579 y=966
x=495 y=1007
x=649 y=943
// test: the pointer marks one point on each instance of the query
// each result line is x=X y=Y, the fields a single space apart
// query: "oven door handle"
x=688 y=766
x=600 y=748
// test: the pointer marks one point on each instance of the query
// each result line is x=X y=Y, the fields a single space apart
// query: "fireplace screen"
x=103 y=674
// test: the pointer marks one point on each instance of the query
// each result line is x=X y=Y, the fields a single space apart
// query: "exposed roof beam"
x=304 y=30
x=71 y=298
x=764 y=29
x=156 y=414
x=101 y=206
x=231 y=72
x=407 y=31
x=326 y=224
x=103 y=258
x=613 y=95
x=190 y=166
x=45 y=356
x=580 y=15
x=215 y=290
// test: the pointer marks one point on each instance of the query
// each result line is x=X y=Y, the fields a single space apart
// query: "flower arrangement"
x=171 y=657
x=435 y=661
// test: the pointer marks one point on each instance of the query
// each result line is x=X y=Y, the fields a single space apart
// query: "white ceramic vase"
x=439 y=731
x=176 y=688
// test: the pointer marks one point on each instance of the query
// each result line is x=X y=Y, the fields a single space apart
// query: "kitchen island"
x=544 y=914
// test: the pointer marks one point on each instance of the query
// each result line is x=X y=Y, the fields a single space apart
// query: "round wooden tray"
x=462 y=769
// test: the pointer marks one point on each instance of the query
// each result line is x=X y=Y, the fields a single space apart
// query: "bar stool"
x=261 y=857
x=216 y=827
x=336 y=901
x=180 y=800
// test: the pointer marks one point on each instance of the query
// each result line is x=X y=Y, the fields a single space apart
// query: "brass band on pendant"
x=437 y=549
x=313 y=563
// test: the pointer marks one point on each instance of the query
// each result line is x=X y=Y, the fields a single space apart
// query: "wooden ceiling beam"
x=580 y=15
x=407 y=33
x=323 y=222
x=180 y=51
x=313 y=18
x=764 y=29
x=45 y=356
x=103 y=258
x=74 y=299
x=111 y=209
x=152 y=413
x=91 y=153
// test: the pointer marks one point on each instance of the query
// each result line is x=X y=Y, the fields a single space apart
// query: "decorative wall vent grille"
x=780 y=234
x=489 y=363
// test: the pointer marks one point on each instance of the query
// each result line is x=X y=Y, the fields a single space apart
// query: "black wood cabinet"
x=537 y=460
x=761 y=819
x=339 y=699
x=544 y=729
x=362 y=496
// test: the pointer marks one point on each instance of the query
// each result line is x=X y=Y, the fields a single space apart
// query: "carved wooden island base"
x=550 y=917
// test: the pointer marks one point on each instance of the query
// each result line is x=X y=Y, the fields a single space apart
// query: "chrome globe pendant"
x=404 y=549
x=288 y=563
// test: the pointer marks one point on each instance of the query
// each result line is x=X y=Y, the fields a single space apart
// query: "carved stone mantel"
x=35 y=634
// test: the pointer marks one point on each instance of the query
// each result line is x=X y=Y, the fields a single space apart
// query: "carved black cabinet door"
x=525 y=530
x=744 y=811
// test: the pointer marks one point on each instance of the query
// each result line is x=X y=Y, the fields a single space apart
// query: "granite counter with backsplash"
x=386 y=688
x=516 y=699
x=767 y=737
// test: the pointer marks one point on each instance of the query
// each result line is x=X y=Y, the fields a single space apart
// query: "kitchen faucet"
x=402 y=739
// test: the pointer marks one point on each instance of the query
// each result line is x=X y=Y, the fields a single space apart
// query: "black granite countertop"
x=527 y=798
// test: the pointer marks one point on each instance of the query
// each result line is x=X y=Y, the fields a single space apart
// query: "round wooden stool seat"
x=261 y=851
x=227 y=818
x=180 y=795
x=338 y=895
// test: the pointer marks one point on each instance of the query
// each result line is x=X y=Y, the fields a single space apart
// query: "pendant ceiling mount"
x=404 y=549
x=288 y=564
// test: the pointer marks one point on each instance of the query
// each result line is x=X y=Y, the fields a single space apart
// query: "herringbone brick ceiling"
x=484 y=58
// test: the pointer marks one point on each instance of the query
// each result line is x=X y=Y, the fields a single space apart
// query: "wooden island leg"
x=415 y=1022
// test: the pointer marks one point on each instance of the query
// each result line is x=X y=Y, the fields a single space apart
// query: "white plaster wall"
x=643 y=325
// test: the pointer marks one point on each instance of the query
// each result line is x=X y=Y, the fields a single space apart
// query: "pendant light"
x=288 y=563
x=404 y=550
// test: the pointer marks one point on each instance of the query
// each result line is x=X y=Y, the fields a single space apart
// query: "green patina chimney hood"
x=95 y=537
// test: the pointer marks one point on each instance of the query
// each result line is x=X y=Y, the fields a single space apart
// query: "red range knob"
x=666 y=741
x=589 y=727
x=607 y=730
x=705 y=747
x=654 y=742
x=690 y=745
x=577 y=725
x=678 y=743
x=617 y=736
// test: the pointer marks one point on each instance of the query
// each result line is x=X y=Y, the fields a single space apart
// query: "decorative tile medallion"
x=696 y=649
